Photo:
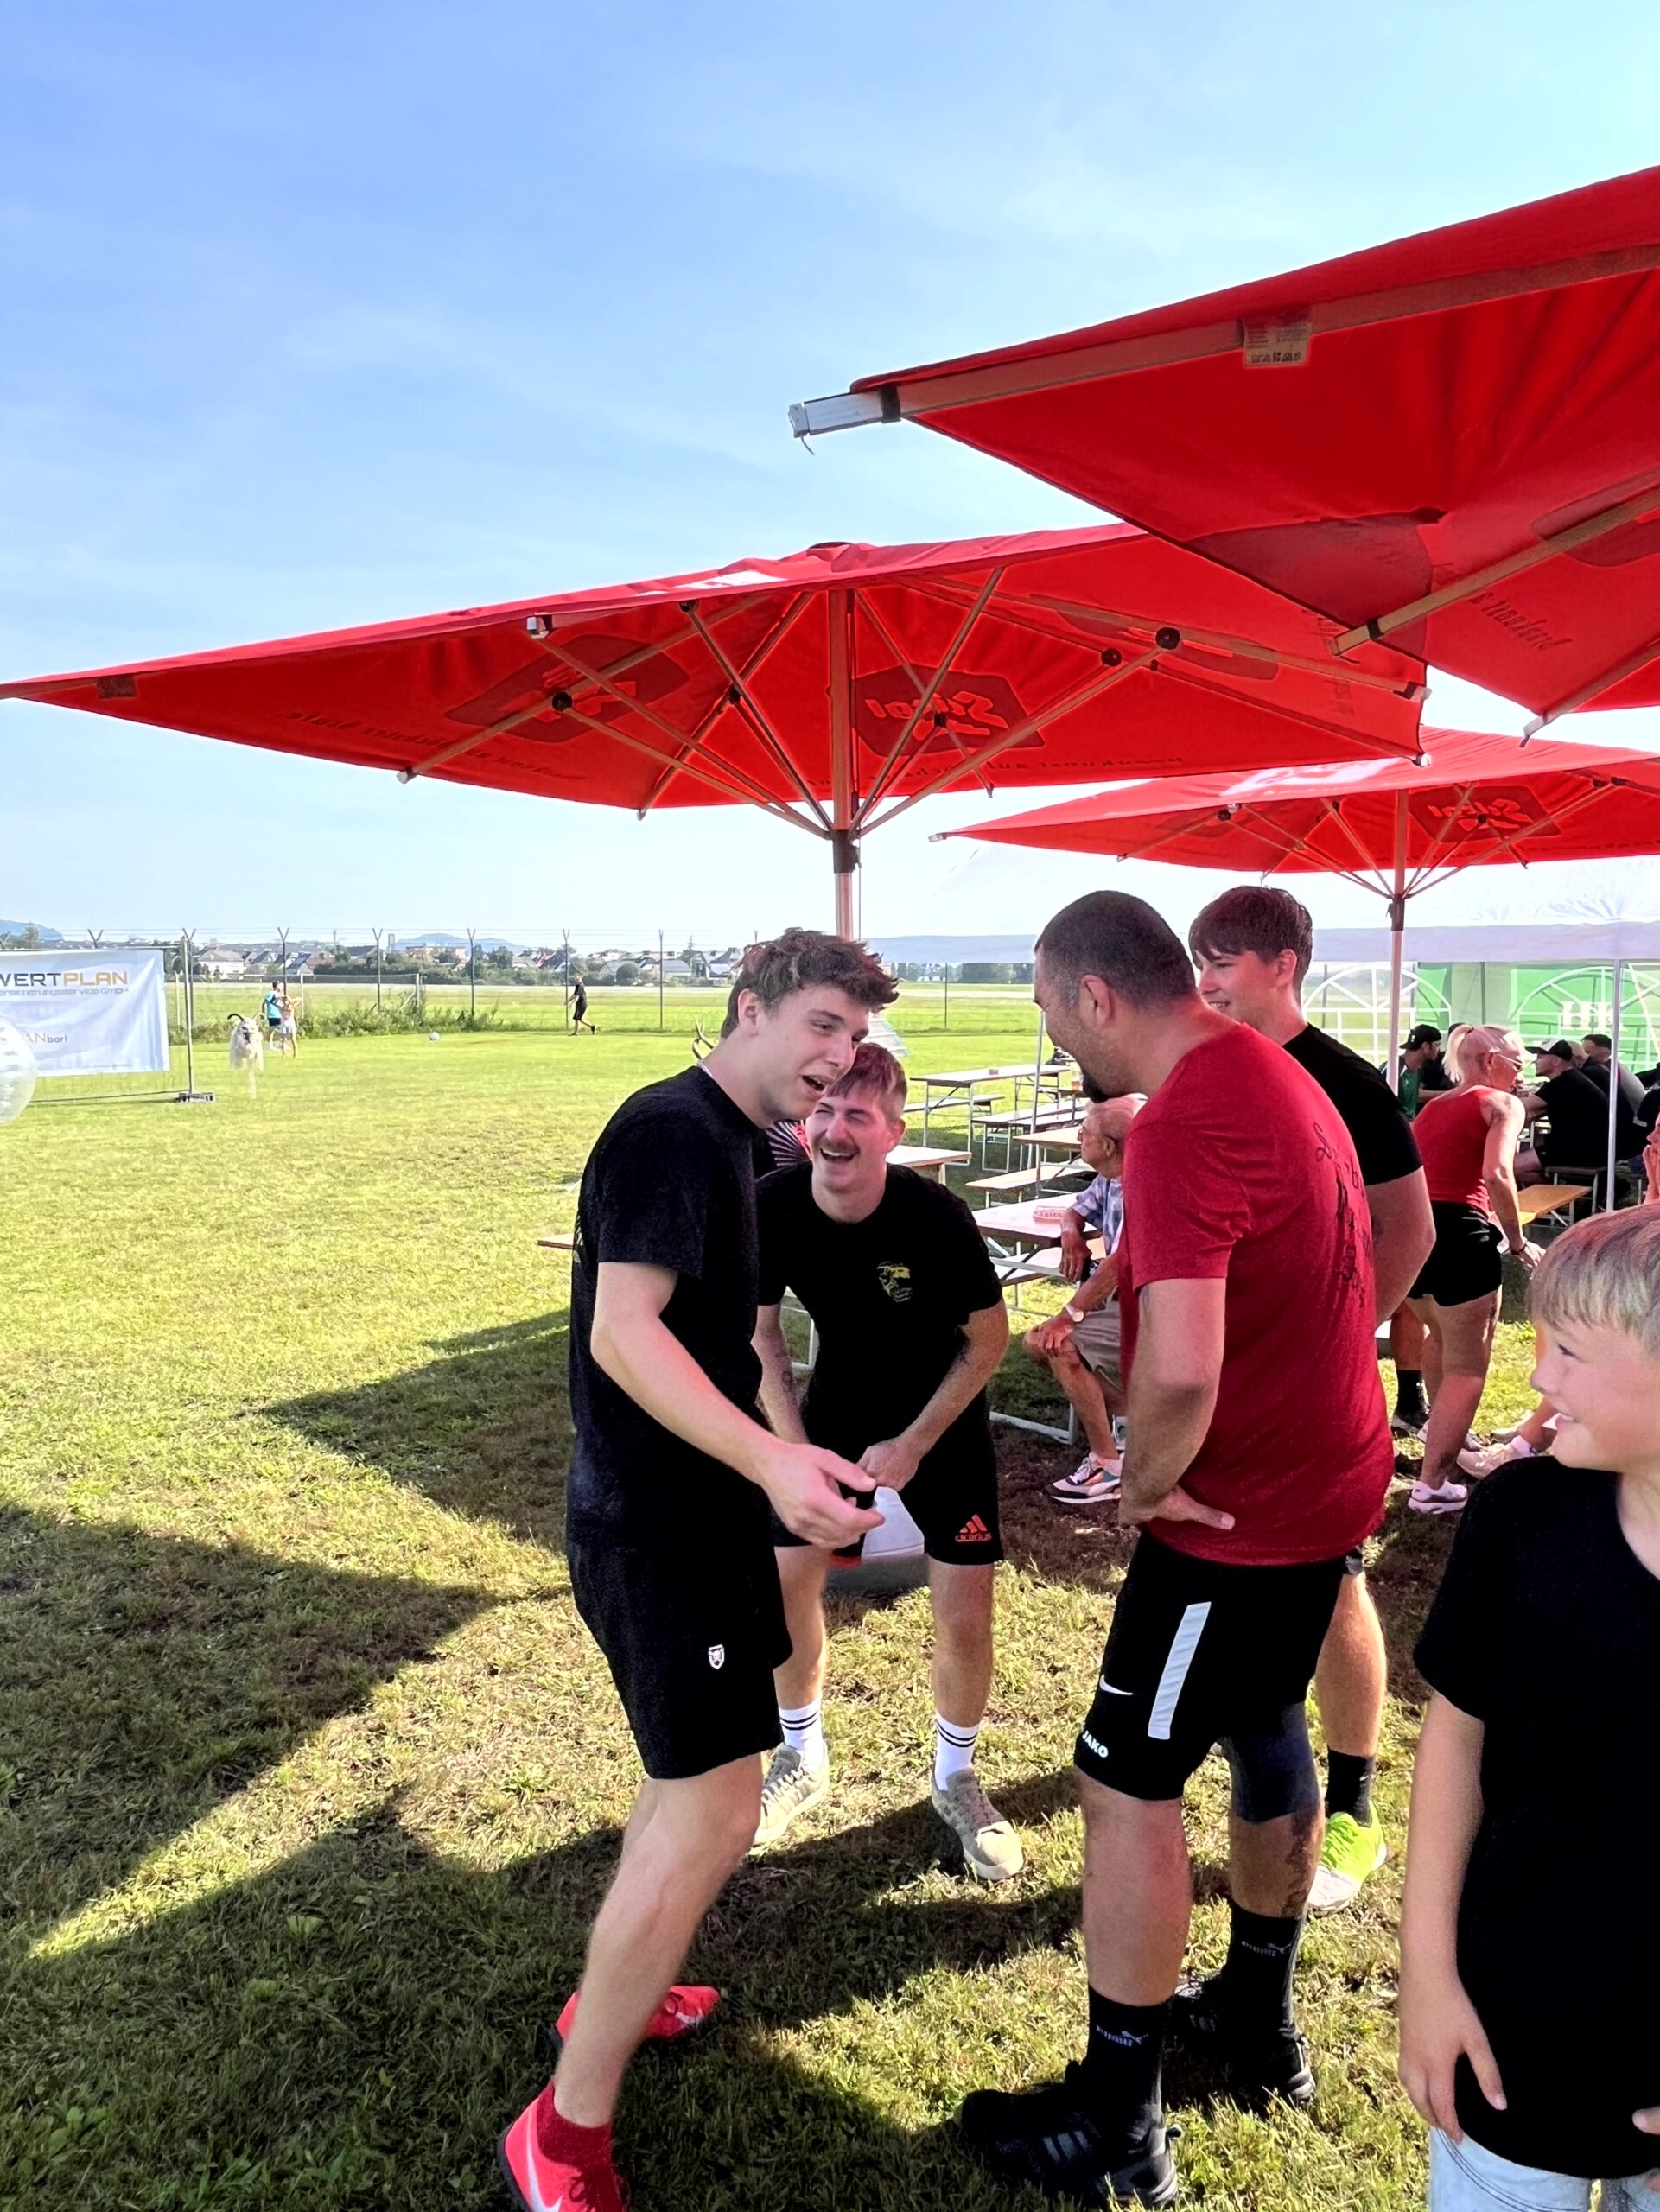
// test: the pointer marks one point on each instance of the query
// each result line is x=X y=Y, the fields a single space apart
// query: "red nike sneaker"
x=684 y=2009
x=550 y=2179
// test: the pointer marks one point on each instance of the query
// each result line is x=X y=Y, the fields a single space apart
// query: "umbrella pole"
x=844 y=850
x=1397 y=929
x=1613 y=1092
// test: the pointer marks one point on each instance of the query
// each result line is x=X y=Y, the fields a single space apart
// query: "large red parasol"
x=1453 y=441
x=1390 y=825
x=833 y=689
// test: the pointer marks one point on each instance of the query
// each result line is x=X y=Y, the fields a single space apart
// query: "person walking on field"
x=668 y=1537
x=1259 y=1457
x=1082 y=1346
x=911 y=1328
x=1468 y=1139
x=1252 y=947
x=579 y=1009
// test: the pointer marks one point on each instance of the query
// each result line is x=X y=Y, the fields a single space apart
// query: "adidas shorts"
x=952 y=1496
x=1197 y=1651
x=691 y=1638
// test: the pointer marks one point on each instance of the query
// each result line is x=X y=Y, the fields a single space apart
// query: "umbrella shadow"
x=483 y=1429
x=144 y=1679
x=369 y=2014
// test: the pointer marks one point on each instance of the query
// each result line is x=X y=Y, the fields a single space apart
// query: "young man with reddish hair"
x=669 y=1535
x=1259 y=1457
x=911 y=1328
x=1252 y=948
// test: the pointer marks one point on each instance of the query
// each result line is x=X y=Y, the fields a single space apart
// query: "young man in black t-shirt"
x=668 y=1534
x=1529 y=1958
x=1252 y=947
x=911 y=1328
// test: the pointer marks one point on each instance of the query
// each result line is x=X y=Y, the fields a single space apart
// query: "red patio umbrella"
x=833 y=689
x=1392 y=826
x=1453 y=441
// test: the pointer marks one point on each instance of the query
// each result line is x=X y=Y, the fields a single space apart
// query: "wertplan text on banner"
x=88 y=1012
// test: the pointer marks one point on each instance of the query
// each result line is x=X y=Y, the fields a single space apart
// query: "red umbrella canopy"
x=1479 y=800
x=1453 y=441
x=863 y=676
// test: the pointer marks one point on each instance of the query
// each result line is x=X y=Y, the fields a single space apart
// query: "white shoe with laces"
x=1091 y=1483
x=1487 y=1459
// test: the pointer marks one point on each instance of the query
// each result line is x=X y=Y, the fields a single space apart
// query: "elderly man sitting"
x=1080 y=1346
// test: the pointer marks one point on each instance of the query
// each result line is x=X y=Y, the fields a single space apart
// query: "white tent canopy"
x=1518 y=944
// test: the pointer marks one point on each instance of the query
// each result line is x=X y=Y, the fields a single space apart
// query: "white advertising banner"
x=88 y=1012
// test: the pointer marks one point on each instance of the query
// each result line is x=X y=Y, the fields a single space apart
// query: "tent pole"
x=1613 y=1091
x=844 y=850
x=1397 y=928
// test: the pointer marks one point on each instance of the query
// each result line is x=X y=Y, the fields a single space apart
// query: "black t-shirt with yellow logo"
x=889 y=1295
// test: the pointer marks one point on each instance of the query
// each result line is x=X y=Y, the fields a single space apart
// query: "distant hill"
x=17 y=929
x=451 y=937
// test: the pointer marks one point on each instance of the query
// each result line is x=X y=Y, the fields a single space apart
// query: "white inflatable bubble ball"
x=17 y=1072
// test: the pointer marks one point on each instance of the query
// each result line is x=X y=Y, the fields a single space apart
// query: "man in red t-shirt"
x=1259 y=1455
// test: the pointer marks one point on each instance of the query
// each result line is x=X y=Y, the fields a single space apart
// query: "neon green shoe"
x=1349 y=1854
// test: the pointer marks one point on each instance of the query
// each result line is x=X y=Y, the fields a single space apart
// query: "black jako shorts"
x=952 y=1497
x=691 y=1638
x=1465 y=1261
x=1197 y=1653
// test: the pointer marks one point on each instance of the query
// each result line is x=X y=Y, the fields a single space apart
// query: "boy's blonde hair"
x=1605 y=1274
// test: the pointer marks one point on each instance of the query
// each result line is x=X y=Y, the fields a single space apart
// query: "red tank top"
x=1451 y=1132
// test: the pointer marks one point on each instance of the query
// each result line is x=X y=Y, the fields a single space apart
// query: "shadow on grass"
x=145 y=1679
x=484 y=1429
x=353 y=2027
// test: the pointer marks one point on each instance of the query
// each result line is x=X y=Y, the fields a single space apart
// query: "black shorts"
x=692 y=1639
x=1197 y=1652
x=1465 y=1261
x=952 y=1497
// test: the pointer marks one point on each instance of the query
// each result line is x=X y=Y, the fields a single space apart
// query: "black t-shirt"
x=669 y=1184
x=1648 y=1114
x=1579 y=1121
x=1626 y=1140
x=889 y=1295
x=1546 y=1629
x=1381 y=1133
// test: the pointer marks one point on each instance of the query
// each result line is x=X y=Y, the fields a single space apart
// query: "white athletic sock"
x=803 y=1731
x=953 y=1749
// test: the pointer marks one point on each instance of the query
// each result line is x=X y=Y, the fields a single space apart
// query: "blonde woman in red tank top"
x=1467 y=1137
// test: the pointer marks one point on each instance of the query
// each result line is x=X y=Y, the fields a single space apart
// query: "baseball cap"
x=1425 y=1034
x=1561 y=1049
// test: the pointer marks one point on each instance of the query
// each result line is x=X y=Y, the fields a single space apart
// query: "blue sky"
x=316 y=315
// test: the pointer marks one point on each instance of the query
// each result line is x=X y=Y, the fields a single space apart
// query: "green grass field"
x=309 y=1778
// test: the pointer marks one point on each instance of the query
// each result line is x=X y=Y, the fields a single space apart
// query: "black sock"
x=1348 y=1785
x=1410 y=1390
x=1256 y=1980
x=1122 y=2066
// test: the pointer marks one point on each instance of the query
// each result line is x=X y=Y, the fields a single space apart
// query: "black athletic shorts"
x=1197 y=1652
x=952 y=1497
x=691 y=1638
x=1466 y=1261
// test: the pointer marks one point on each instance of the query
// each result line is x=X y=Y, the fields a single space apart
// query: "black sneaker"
x=1409 y=1420
x=1046 y=2136
x=1253 y=2069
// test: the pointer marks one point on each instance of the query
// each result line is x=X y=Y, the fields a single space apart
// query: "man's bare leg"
x=1352 y=1680
x=962 y=1598
x=1138 y=1894
x=676 y=1860
x=1271 y=1863
x=802 y=1571
x=1087 y=1394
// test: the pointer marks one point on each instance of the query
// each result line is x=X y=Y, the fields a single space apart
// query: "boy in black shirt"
x=1252 y=947
x=668 y=1532
x=1529 y=2035
x=910 y=1326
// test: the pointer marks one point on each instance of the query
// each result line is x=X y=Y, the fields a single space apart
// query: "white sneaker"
x=1091 y=1482
x=1450 y=1498
x=1487 y=1459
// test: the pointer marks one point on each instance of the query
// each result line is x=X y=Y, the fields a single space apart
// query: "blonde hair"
x=1474 y=1045
x=1605 y=1274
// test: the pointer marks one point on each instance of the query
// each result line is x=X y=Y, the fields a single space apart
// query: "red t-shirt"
x=1239 y=1167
